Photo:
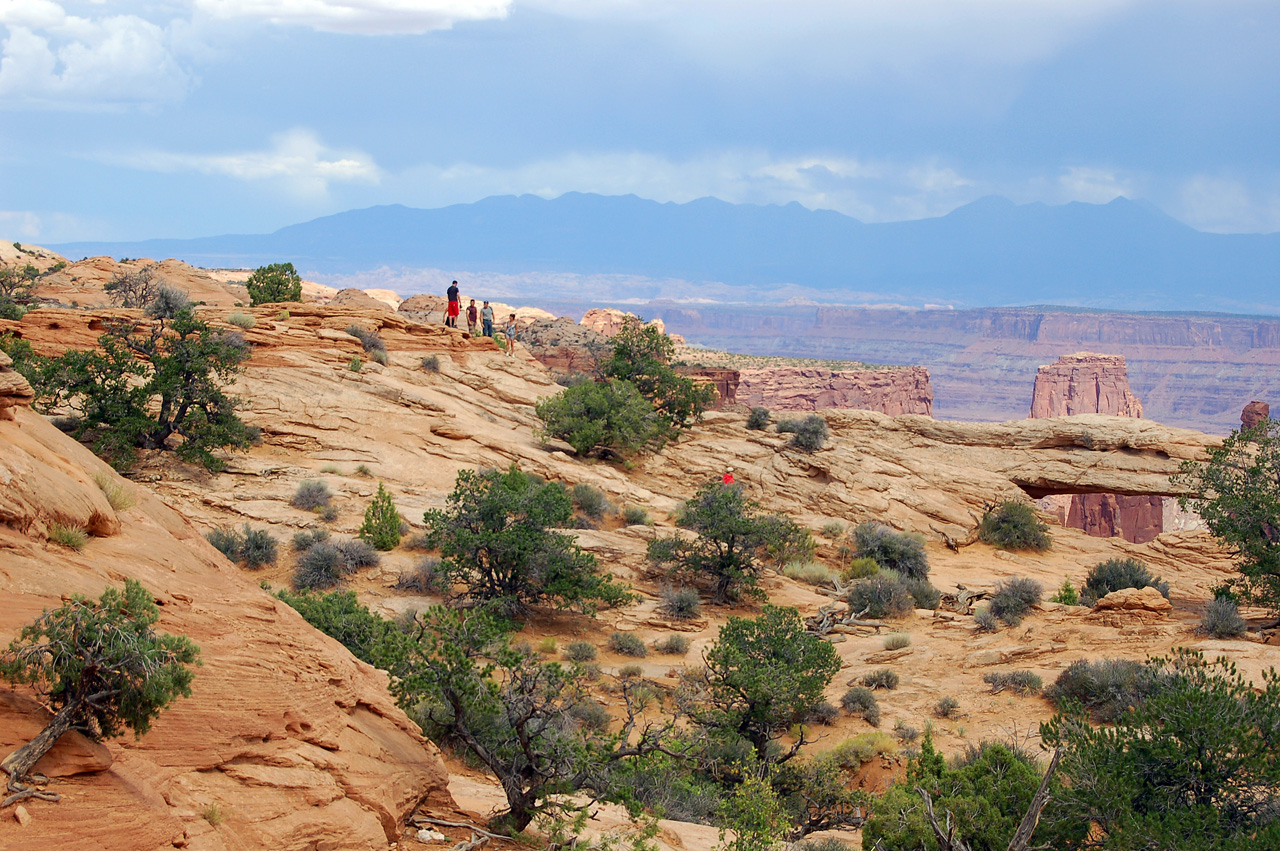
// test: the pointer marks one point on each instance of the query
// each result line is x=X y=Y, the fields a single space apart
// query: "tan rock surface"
x=295 y=741
x=1134 y=599
x=83 y=283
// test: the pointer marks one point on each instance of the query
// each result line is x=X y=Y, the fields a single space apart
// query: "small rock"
x=428 y=835
x=21 y=816
x=1134 y=599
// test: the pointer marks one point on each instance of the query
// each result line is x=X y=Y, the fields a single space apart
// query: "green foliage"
x=254 y=548
x=861 y=701
x=381 y=527
x=1066 y=595
x=67 y=535
x=133 y=289
x=355 y=364
x=628 y=644
x=609 y=418
x=642 y=357
x=494 y=540
x=1014 y=526
x=922 y=592
x=947 y=707
x=635 y=515
x=590 y=500
x=119 y=496
x=1222 y=619
x=810 y=572
x=1013 y=599
x=1019 y=682
x=753 y=815
x=580 y=651
x=985 y=798
x=732 y=536
x=680 y=603
x=1106 y=688
x=883 y=595
x=1117 y=573
x=762 y=675
x=369 y=637
x=151 y=385
x=303 y=541
x=1193 y=767
x=808 y=434
x=673 y=645
x=758 y=419
x=226 y=541
x=243 y=321
x=278 y=282
x=883 y=678
x=213 y=815
x=311 y=495
x=857 y=568
x=785 y=540
x=1237 y=493
x=100 y=666
x=901 y=552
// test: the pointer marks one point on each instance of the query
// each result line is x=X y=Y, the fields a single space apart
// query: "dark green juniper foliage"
x=274 y=283
x=1195 y=766
x=381 y=527
x=732 y=536
x=1237 y=492
x=150 y=382
x=102 y=669
x=1117 y=573
x=642 y=356
x=609 y=419
x=1014 y=526
x=494 y=540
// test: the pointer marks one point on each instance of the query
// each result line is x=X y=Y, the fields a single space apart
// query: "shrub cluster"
x=324 y=563
x=901 y=552
x=758 y=419
x=311 y=495
x=635 y=515
x=381 y=527
x=1014 y=526
x=883 y=678
x=860 y=701
x=808 y=434
x=1118 y=573
x=1019 y=682
x=680 y=603
x=628 y=644
x=673 y=645
x=580 y=651
x=1013 y=599
x=1105 y=688
x=424 y=578
x=1222 y=619
x=253 y=548
x=590 y=500
x=888 y=595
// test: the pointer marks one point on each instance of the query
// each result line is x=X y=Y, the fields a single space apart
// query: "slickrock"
x=889 y=391
x=1254 y=413
x=297 y=743
x=15 y=391
x=84 y=283
x=1134 y=600
x=359 y=298
x=564 y=345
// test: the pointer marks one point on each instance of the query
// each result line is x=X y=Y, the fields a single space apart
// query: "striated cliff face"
x=889 y=391
x=1090 y=383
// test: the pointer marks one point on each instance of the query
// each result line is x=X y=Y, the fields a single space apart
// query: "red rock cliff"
x=889 y=391
x=1088 y=383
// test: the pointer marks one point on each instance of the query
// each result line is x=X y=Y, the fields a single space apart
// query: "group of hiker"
x=482 y=316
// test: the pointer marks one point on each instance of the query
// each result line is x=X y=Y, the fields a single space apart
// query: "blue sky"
x=131 y=119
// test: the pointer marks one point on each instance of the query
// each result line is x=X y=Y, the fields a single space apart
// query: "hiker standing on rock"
x=486 y=317
x=451 y=316
x=472 y=313
x=509 y=331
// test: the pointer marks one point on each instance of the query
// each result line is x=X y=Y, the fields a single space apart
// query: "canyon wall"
x=889 y=391
x=1190 y=370
x=1089 y=383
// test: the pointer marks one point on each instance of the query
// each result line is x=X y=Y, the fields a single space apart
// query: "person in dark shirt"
x=451 y=316
x=472 y=316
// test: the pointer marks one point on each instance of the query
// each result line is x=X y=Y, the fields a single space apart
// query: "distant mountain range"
x=992 y=252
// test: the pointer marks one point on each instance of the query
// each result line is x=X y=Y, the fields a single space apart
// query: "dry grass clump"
x=897 y=640
x=673 y=645
x=1222 y=619
x=67 y=535
x=244 y=321
x=948 y=707
x=120 y=497
x=1019 y=682
x=883 y=678
x=810 y=572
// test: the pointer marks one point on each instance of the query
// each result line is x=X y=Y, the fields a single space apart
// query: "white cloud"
x=365 y=17
x=1095 y=185
x=51 y=58
x=1228 y=205
x=297 y=161
x=23 y=223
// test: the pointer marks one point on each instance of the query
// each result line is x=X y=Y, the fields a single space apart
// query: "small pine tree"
x=381 y=522
x=275 y=283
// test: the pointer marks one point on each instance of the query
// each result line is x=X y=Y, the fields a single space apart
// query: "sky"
x=135 y=119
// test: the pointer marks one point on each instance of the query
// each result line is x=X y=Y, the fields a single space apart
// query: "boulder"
x=1134 y=600
x=1254 y=413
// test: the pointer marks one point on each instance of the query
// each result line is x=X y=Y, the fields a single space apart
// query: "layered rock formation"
x=564 y=345
x=83 y=283
x=296 y=743
x=889 y=391
x=14 y=389
x=1089 y=383
x=724 y=381
x=1254 y=413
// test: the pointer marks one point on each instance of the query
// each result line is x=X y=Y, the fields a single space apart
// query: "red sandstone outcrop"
x=1254 y=413
x=889 y=391
x=609 y=321
x=1089 y=383
x=295 y=742
x=84 y=283
x=724 y=381
x=14 y=389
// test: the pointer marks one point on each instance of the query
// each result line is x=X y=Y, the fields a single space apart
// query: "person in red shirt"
x=728 y=476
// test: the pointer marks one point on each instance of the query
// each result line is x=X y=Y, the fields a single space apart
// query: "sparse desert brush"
x=810 y=572
x=635 y=515
x=905 y=732
x=213 y=815
x=883 y=678
x=331 y=470
x=379 y=356
x=1013 y=599
x=628 y=644
x=897 y=640
x=853 y=752
x=1222 y=619
x=547 y=646
x=302 y=541
x=590 y=500
x=119 y=497
x=1019 y=682
x=857 y=568
x=369 y=339
x=580 y=651
x=884 y=595
x=590 y=714
x=923 y=593
x=1066 y=595
x=631 y=672
x=948 y=707
x=226 y=541
x=673 y=645
x=808 y=434
x=985 y=620
x=424 y=578
x=257 y=548
x=243 y=321
x=363 y=471
x=1014 y=526
x=833 y=530
x=1105 y=688
x=67 y=535
x=758 y=419
x=319 y=567
x=312 y=494
x=861 y=701
x=901 y=552
x=431 y=363
x=354 y=554
x=680 y=603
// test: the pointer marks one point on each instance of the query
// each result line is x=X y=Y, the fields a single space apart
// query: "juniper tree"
x=274 y=283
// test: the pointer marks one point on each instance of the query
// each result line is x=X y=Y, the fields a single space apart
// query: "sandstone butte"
x=300 y=745
x=1089 y=383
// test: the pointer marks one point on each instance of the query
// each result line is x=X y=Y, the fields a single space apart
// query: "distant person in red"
x=728 y=476
x=451 y=318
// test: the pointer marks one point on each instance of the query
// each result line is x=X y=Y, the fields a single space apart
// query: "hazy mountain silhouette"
x=1124 y=254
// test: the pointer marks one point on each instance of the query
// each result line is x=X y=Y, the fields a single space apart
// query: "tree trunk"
x=19 y=763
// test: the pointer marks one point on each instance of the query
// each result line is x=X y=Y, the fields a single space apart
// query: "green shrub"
x=311 y=495
x=226 y=541
x=258 y=548
x=1014 y=526
x=923 y=593
x=808 y=434
x=641 y=356
x=580 y=651
x=1115 y=574
x=370 y=341
x=355 y=554
x=363 y=471
x=590 y=500
x=68 y=535
x=860 y=568
x=355 y=364
x=548 y=646
x=635 y=515
x=986 y=620
x=320 y=566
x=758 y=419
x=883 y=678
x=855 y=751
x=673 y=645
x=304 y=540
x=680 y=603
x=948 y=707
x=431 y=363
x=590 y=715
x=628 y=644
x=381 y=527
x=823 y=713
x=884 y=595
x=860 y=701
x=242 y=320
x=631 y=672
x=1019 y=682
x=327 y=514
x=1013 y=599
x=810 y=572
x=1105 y=688
x=378 y=356
x=278 y=282
x=901 y=552
x=607 y=419
x=1222 y=619
x=897 y=640
x=1066 y=595
x=833 y=530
